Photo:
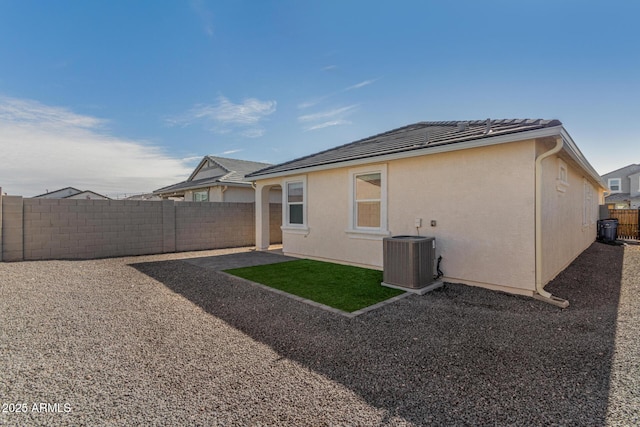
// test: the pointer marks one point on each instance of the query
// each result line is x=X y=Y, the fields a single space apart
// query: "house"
x=217 y=179
x=624 y=188
x=510 y=202
x=71 y=193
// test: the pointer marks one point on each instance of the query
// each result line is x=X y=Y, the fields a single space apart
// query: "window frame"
x=286 y=221
x=206 y=192
x=610 y=180
x=368 y=232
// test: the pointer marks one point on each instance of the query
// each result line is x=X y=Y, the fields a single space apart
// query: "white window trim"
x=286 y=226
x=619 y=185
x=376 y=233
x=193 y=194
x=562 y=182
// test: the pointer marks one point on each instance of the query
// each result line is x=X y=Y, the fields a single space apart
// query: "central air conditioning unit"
x=409 y=262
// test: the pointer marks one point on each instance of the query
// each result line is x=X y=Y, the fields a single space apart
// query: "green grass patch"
x=339 y=286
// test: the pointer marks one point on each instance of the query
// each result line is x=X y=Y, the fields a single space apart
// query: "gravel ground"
x=159 y=341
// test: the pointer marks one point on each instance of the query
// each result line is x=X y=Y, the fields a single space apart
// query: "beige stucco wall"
x=232 y=195
x=482 y=200
x=564 y=231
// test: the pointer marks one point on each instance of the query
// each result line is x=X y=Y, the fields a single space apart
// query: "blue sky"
x=124 y=97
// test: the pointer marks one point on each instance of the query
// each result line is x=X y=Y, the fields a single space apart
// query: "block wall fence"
x=39 y=229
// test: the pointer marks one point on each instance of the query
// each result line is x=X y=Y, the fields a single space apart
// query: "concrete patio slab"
x=239 y=260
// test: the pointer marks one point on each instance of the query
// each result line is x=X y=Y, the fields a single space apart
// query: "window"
x=615 y=185
x=294 y=199
x=368 y=198
x=368 y=202
x=201 y=196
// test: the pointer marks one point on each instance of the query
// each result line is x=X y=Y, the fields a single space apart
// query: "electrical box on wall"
x=418 y=222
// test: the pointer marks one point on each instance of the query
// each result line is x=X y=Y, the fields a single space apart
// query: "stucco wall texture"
x=37 y=229
x=483 y=202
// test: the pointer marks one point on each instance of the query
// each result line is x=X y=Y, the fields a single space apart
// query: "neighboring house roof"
x=53 y=194
x=427 y=138
x=618 y=197
x=70 y=193
x=232 y=171
x=626 y=175
x=144 y=196
x=623 y=171
x=87 y=195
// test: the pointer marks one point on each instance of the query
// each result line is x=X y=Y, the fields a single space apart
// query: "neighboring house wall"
x=34 y=229
x=628 y=194
x=634 y=185
x=623 y=174
x=231 y=194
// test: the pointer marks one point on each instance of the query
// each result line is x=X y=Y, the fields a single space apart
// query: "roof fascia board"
x=576 y=154
x=475 y=143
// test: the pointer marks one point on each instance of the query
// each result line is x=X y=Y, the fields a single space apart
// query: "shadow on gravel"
x=457 y=356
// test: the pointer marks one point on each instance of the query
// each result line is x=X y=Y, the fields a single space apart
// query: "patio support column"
x=262 y=217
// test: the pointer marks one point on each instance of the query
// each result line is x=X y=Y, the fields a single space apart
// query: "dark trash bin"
x=607 y=229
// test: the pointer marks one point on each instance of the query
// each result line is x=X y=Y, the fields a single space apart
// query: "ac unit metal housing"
x=409 y=261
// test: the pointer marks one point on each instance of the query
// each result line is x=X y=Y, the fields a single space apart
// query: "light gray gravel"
x=167 y=342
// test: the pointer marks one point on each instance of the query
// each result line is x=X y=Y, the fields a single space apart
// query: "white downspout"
x=222 y=190
x=541 y=294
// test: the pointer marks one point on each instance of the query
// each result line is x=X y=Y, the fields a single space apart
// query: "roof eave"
x=218 y=183
x=474 y=143
x=577 y=155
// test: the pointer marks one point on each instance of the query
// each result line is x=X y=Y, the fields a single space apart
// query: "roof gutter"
x=541 y=294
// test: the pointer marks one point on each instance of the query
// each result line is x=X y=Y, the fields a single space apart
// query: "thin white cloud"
x=330 y=68
x=205 y=15
x=227 y=117
x=232 y=151
x=342 y=111
x=45 y=147
x=328 y=124
x=312 y=102
x=315 y=101
x=361 y=84
x=324 y=119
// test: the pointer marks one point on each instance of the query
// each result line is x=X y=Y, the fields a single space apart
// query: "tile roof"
x=625 y=171
x=412 y=137
x=73 y=189
x=619 y=197
x=186 y=185
x=235 y=171
x=237 y=168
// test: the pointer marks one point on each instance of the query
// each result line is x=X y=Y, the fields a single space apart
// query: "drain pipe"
x=541 y=294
